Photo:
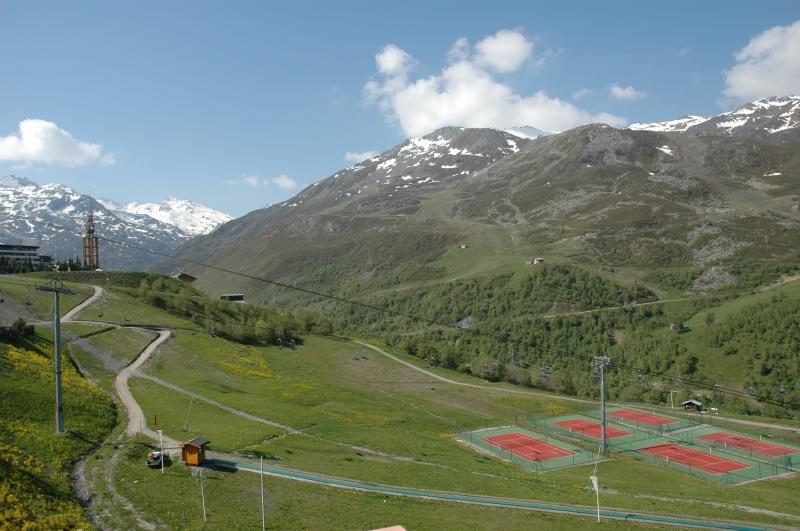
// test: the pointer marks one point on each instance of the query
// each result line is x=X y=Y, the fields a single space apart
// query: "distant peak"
x=12 y=181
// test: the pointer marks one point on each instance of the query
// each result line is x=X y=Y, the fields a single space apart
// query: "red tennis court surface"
x=730 y=440
x=592 y=429
x=641 y=418
x=692 y=458
x=528 y=447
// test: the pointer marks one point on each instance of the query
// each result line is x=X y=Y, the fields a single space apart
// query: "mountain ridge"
x=610 y=196
x=54 y=216
x=774 y=118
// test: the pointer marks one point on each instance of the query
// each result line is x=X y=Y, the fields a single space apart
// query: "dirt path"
x=136 y=419
x=73 y=313
x=220 y=405
x=624 y=306
x=465 y=384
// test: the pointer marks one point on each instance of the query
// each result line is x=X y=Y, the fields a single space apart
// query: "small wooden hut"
x=193 y=452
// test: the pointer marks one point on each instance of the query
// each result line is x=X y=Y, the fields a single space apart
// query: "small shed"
x=534 y=261
x=193 y=452
x=692 y=405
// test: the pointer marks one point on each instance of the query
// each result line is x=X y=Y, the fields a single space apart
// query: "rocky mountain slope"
x=773 y=119
x=54 y=215
x=462 y=201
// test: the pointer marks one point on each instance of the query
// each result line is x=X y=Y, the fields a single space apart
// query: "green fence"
x=754 y=470
x=790 y=461
x=549 y=425
x=678 y=423
x=579 y=456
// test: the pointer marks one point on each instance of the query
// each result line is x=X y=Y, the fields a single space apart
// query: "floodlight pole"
x=56 y=287
x=601 y=362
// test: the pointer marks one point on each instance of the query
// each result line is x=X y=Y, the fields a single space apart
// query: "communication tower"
x=91 y=247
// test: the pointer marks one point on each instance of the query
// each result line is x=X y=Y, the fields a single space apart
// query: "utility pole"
x=601 y=362
x=186 y=422
x=56 y=287
x=161 y=453
x=193 y=330
x=202 y=494
x=263 y=513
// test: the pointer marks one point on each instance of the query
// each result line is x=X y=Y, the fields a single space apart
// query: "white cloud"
x=394 y=61
x=284 y=181
x=254 y=181
x=503 y=52
x=43 y=141
x=578 y=94
x=459 y=51
x=768 y=66
x=683 y=52
x=249 y=180
x=465 y=92
x=626 y=93
x=351 y=156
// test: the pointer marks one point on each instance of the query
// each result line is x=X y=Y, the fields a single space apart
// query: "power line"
x=432 y=322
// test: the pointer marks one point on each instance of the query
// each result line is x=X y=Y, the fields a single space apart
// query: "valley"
x=347 y=410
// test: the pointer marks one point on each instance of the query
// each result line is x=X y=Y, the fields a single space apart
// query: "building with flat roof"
x=26 y=254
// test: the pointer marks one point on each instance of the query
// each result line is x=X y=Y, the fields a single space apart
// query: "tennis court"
x=590 y=428
x=707 y=462
x=527 y=447
x=640 y=417
x=730 y=440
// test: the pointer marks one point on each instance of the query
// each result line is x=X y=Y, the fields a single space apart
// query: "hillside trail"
x=465 y=384
x=621 y=307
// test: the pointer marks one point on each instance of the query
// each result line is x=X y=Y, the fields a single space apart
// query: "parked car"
x=154 y=459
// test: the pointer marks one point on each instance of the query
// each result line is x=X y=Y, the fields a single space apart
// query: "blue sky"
x=240 y=104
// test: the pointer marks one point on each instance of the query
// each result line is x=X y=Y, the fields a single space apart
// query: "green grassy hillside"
x=358 y=414
x=35 y=462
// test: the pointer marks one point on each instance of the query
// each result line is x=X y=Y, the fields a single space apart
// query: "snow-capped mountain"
x=54 y=215
x=192 y=218
x=527 y=131
x=775 y=118
x=420 y=164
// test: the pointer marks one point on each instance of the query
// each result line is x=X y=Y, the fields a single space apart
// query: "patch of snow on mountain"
x=730 y=124
x=669 y=126
x=665 y=149
x=526 y=131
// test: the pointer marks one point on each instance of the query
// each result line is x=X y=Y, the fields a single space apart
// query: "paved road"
x=574 y=510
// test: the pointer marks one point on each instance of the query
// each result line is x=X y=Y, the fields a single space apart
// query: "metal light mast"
x=56 y=287
x=601 y=362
